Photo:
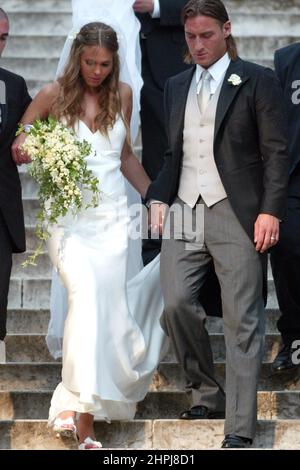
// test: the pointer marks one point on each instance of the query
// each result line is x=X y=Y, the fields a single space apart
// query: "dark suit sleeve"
x=278 y=67
x=170 y=12
x=160 y=188
x=271 y=122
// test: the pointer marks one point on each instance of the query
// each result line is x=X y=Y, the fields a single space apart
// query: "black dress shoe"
x=232 y=441
x=202 y=412
x=283 y=361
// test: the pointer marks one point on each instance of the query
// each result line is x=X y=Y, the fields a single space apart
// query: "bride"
x=112 y=338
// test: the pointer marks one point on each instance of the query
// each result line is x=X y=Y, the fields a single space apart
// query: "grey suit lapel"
x=229 y=91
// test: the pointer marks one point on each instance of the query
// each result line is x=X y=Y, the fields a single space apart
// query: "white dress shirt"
x=217 y=72
x=156 y=9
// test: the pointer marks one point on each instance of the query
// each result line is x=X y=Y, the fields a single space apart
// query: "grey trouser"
x=184 y=264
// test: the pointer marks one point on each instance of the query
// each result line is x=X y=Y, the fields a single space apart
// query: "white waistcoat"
x=199 y=173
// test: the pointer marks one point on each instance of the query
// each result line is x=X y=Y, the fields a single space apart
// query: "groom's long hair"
x=69 y=102
x=214 y=9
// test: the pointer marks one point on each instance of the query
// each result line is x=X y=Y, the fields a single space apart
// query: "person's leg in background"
x=5 y=271
x=285 y=262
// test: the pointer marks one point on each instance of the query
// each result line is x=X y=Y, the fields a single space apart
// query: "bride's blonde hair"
x=69 y=102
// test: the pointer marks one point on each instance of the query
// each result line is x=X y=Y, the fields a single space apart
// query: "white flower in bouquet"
x=58 y=166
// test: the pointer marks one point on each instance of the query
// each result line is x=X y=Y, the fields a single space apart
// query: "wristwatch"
x=27 y=127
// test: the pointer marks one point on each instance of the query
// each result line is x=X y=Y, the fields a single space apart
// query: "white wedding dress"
x=112 y=340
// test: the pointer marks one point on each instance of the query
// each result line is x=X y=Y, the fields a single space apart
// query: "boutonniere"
x=234 y=80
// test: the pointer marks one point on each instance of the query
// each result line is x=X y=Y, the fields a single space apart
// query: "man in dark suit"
x=285 y=257
x=14 y=99
x=226 y=168
x=163 y=46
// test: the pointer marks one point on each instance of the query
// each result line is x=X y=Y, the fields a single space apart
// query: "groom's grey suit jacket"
x=250 y=148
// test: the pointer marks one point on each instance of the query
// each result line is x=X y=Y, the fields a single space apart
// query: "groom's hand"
x=266 y=232
x=143 y=6
x=157 y=213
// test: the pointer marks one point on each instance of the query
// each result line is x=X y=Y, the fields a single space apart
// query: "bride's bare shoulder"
x=50 y=91
x=125 y=91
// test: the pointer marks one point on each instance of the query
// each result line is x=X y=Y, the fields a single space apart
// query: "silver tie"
x=204 y=93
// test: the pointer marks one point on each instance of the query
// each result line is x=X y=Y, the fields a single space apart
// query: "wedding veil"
x=120 y=16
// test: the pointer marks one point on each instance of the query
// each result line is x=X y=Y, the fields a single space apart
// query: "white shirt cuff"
x=156 y=9
x=153 y=201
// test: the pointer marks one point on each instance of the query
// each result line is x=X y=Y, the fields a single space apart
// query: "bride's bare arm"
x=39 y=108
x=131 y=167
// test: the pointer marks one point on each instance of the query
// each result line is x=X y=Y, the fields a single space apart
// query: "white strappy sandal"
x=65 y=427
x=90 y=444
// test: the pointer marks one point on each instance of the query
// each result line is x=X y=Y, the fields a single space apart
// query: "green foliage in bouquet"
x=59 y=167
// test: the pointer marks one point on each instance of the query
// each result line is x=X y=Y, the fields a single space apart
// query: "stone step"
x=33 y=278
x=31 y=240
x=47 y=6
x=42 y=270
x=27 y=348
x=27 y=321
x=29 y=185
x=272 y=298
x=33 y=47
x=15 y=297
x=169 y=378
x=31 y=207
x=156 y=405
x=149 y=434
x=29 y=293
x=269 y=23
x=262 y=6
x=255 y=6
x=35 y=321
x=50 y=47
x=33 y=69
x=40 y=24
x=272 y=346
x=262 y=46
x=278 y=23
x=35 y=294
x=32 y=347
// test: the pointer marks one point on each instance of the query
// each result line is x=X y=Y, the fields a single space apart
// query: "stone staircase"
x=38 y=29
x=30 y=375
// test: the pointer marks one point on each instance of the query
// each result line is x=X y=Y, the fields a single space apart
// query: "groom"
x=227 y=161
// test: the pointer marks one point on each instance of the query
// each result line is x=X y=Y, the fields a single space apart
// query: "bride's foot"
x=85 y=433
x=64 y=424
x=90 y=444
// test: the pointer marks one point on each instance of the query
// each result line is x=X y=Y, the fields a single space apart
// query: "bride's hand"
x=157 y=213
x=143 y=6
x=18 y=155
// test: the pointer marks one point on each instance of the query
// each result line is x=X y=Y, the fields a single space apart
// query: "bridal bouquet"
x=58 y=166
